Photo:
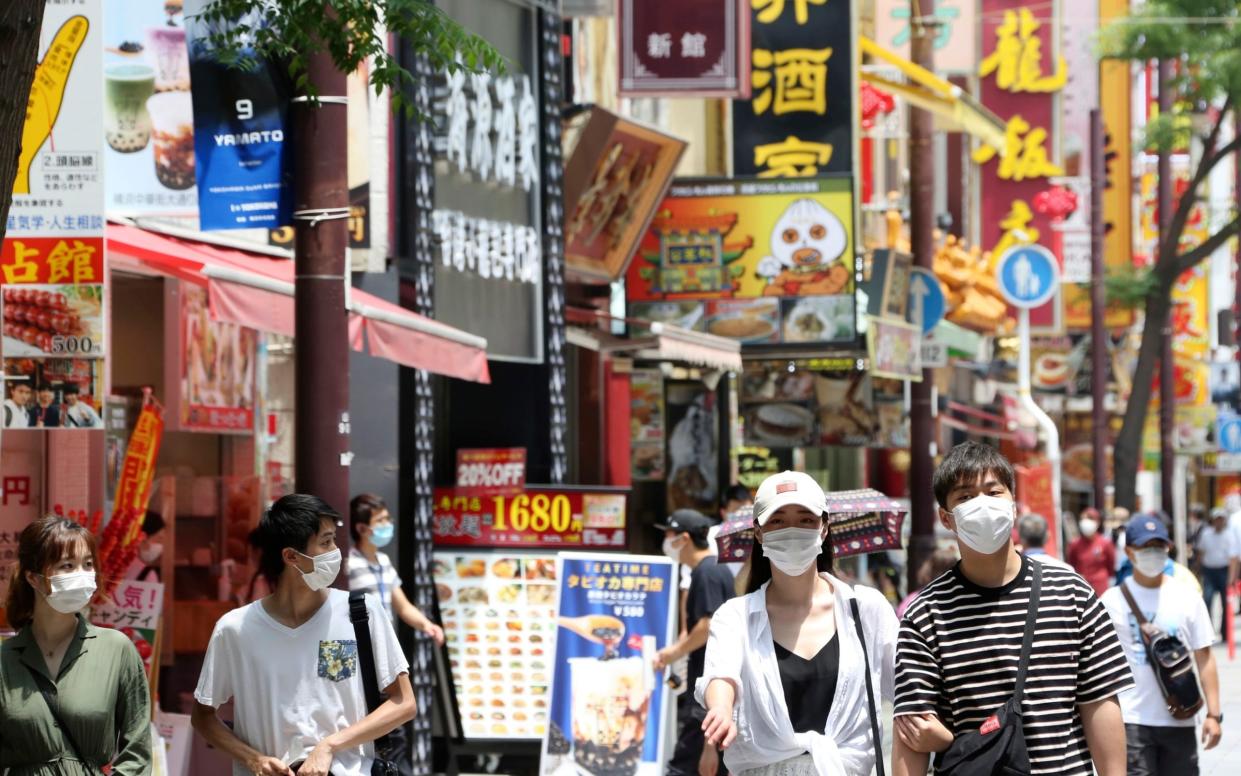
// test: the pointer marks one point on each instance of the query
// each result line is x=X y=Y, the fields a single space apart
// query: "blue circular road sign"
x=1028 y=275
x=926 y=297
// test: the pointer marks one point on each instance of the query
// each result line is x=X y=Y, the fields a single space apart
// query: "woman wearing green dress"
x=73 y=697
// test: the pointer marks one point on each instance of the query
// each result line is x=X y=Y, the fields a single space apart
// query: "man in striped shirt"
x=960 y=641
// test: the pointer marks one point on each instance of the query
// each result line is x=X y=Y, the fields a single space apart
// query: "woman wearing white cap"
x=791 y=683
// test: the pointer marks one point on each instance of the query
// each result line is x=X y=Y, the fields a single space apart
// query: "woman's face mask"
x=793 y=550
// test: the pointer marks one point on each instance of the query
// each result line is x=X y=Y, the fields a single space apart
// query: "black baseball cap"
x=688 y=521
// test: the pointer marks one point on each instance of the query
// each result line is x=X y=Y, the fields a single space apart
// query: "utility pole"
x=922 y=508
x=1098 y=309
x=1167 y=383
x=321 y=203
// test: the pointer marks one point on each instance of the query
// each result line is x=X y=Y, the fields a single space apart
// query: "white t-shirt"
x=293 y=687
x=1217 y=549
x=1179 y=610
x=15 y=416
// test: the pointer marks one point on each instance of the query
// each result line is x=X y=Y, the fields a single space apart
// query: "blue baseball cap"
x=1144 y=529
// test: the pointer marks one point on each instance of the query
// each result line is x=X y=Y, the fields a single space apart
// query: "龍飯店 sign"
x=491 y=471
x=535 y=517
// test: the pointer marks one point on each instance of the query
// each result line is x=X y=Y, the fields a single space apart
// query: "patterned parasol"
x=862 y=521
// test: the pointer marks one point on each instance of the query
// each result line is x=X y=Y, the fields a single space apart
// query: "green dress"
x=102 y=696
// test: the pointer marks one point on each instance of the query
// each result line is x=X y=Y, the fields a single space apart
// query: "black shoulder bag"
x=1173 y=664
x=875 y=737
x=370 y=677
x=52 y=705
x=998 y=746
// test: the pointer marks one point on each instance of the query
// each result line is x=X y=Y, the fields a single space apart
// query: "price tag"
x=934 y=354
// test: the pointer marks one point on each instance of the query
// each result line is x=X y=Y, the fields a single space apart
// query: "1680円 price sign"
x=537 y=517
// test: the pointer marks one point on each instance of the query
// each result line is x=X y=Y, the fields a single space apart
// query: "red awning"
x=254 y=290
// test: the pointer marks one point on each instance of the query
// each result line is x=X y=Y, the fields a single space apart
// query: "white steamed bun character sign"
x=806 y=245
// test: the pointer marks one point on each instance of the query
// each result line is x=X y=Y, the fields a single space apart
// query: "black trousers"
x=1161 y=751
x=690 y=739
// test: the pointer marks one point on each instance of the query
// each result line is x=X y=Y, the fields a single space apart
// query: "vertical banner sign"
x=1034 y=490
x=1021 y=75
x=608 y=703
x=51 y=262
x=237 y=137
x=133 y=492
x=956 y=49
x=147 y=120
x=799 y=121
x=1114 y=103
x=688 y=48
x=134 y=609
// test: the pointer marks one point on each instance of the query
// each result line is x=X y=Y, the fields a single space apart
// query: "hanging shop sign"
x=693 y=447
x=58 y=190
x=617 y=176
x=895 y=349
x=536 y=517
x=230 y=137
x=764 y=262
x=1035 y=490
x=954 y=45
x=755 y=464
x=491 y=471
x=498 y=611
x=646 y=425
x=134 y=609
x=799 y=120
x=212 y=365
x=149 y=151
x=608 y=703
x=812 y=407
x=692 y=48
x=1021 y=76
x=887 y=288
x=487 y=223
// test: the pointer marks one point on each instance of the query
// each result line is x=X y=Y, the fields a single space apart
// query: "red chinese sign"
x=491 y=471
x=133 y=492
x=1034 y=490
x=687 y=48
x=1020 y=75
x=52 y=260
x=536 y=517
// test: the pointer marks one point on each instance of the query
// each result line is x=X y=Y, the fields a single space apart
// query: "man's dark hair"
x=153 y=523
x=1033 y=531
x=72 y=389
x=735 y=493
x=291 y=522
x=362 y=510
x=966 y=463
x=45 y=387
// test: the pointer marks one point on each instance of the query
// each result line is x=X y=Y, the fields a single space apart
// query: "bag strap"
x=1027 y=639
x=52 y=706
x=360 y=618
x=870 y=690
x=1133 y=605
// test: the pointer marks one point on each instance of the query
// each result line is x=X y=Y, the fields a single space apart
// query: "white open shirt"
x=740 y=649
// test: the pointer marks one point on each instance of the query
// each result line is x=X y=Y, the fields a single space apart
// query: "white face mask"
x=71 y=592
x=793 y=550
x=985 y=523
x=1150 y=561
x=1088 y=527
x=671 y=549
x=150 y=553
x=327 y=567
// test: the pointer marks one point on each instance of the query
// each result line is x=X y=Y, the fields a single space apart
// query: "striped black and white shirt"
x=377 y=580
x=960 y=645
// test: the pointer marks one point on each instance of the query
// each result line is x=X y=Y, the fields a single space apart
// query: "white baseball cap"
x=785 y=488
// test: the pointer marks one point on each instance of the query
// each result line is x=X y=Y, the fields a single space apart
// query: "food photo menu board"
x=499 y=615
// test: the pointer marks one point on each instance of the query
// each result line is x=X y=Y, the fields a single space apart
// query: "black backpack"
x=1173 y=664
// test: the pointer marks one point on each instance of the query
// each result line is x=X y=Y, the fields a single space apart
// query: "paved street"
x=1225 y=759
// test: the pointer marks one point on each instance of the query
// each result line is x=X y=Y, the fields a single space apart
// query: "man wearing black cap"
x=685 y=541
x=1157 y=743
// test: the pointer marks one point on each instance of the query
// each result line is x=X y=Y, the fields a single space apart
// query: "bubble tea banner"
x=148 y=116
x=608 y=703
x=241 y=157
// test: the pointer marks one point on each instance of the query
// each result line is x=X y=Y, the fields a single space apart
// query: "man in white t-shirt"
x=16 y=413
x=290 y=661
x=1159 y=745
x=1217 y=554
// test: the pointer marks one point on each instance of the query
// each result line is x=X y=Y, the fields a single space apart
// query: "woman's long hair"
x=43 y=543
x=760 y=566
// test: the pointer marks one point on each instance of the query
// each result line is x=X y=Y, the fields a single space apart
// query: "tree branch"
x=1170 y=242
x=1210 y=245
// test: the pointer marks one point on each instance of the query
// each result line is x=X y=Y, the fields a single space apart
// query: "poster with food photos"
x=499 y=615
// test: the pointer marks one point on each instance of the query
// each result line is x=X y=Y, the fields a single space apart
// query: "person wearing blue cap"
x=1157 y=742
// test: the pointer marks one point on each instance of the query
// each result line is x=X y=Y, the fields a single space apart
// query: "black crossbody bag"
x=875 y=737
x=370 y=678
x=998 y=746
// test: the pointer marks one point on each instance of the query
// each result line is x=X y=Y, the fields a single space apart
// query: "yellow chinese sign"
x=1025 y=153
x=771 y=10
x=1017 y=62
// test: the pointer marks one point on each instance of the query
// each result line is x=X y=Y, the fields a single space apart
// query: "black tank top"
x=809 y=685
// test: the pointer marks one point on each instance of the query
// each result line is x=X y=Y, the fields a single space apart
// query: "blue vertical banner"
x=243 y=161
x=608 y=703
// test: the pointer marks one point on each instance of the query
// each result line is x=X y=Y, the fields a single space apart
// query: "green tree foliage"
x=1203 y=39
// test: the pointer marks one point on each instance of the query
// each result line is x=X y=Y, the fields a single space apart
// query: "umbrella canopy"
x=862 y=521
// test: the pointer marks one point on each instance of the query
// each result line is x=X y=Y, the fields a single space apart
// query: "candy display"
x=60 y=320
x=499 y=620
